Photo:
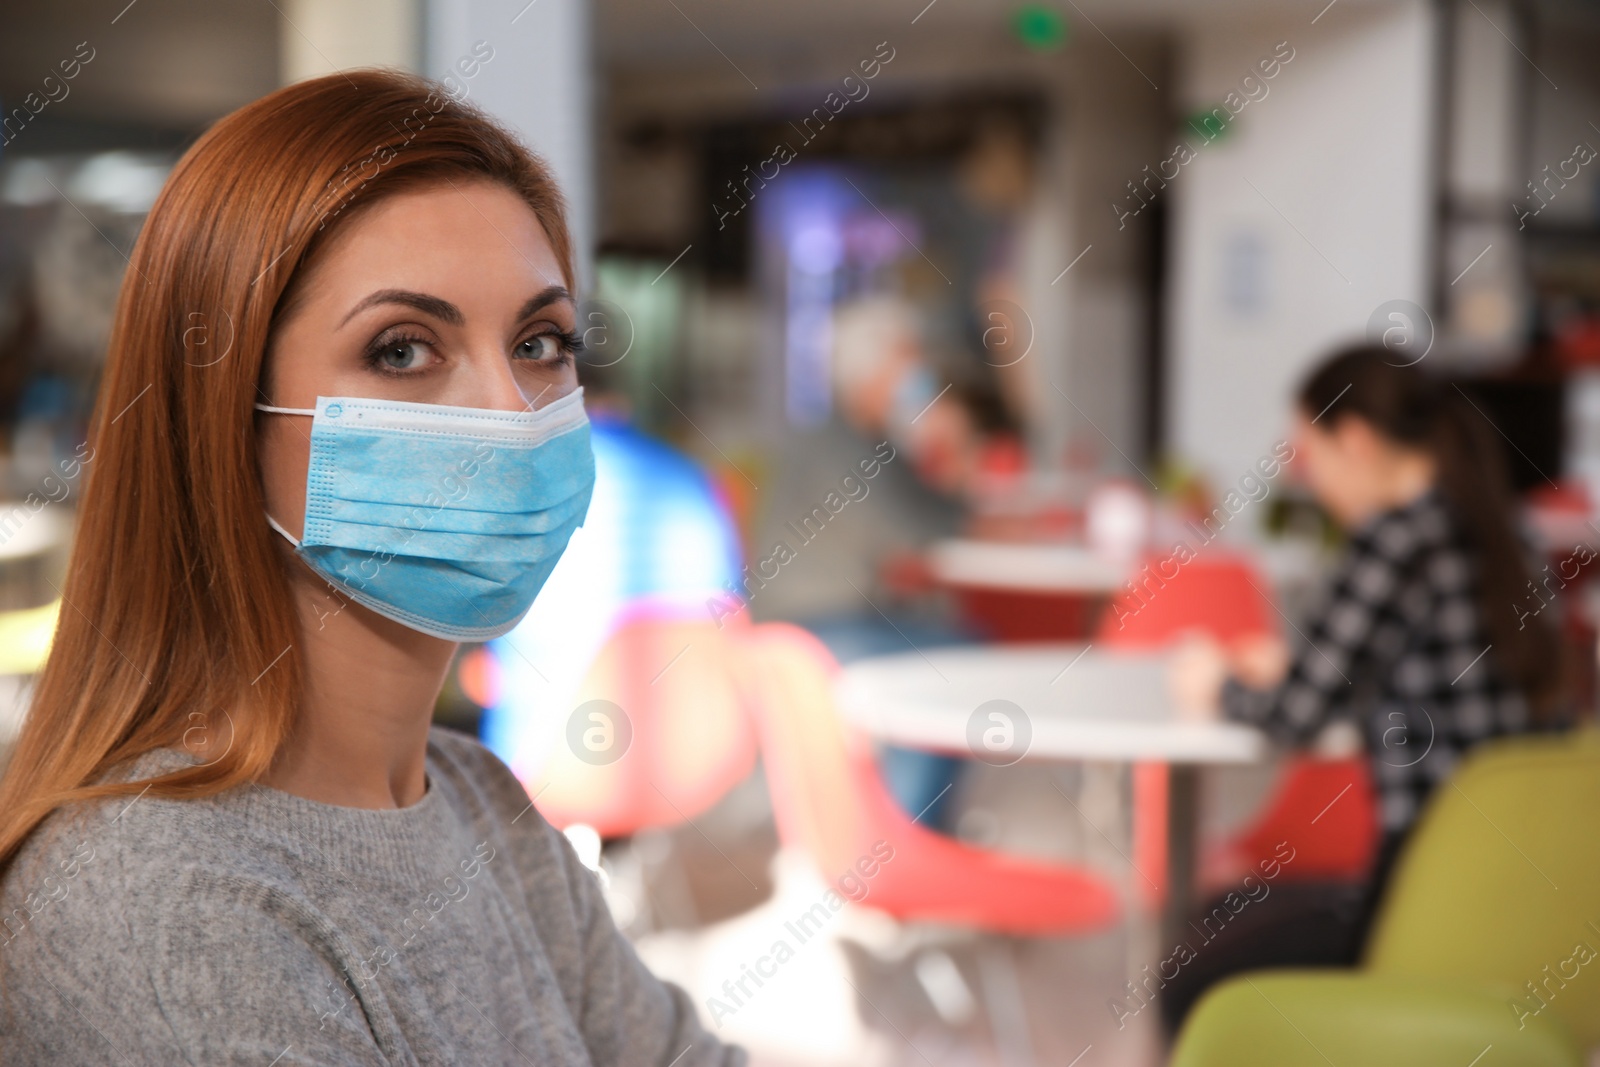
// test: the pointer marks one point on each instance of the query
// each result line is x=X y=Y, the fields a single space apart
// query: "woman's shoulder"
x=103 y=889
x=477 y=778
x=44 y=888
x=459 y=752
x=236 y=848
x=136 y=848
x=72 y=838
x=1420 y=526
x=125 y=921
x=487 y=794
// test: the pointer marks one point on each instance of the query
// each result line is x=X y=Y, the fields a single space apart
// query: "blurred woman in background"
x=1420 y=640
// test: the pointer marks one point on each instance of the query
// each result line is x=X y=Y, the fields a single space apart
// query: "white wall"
x=538 y=78
x=539 y=81
x=317 y=37
x=1341 y=146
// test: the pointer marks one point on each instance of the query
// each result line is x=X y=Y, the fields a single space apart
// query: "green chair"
x=1485 y=950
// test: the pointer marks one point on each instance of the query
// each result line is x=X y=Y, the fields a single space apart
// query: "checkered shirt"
x=1398 y=646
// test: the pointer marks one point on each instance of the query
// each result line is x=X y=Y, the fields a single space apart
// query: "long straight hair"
x=176 y=610
x=1410 y=408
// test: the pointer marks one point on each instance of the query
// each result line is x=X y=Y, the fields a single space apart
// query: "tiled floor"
x=706 y=902
x=851 y=993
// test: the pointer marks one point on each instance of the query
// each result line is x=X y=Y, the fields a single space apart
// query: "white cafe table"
x=1078 y=702
x=1026 y=566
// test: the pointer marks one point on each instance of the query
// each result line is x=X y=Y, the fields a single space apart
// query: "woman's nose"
x=494 y=385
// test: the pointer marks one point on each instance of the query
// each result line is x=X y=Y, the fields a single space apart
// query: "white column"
x=538 y=81
x=1310 y=213
x=322 y=36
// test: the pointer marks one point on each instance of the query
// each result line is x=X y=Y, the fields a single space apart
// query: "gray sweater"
x=258 y=927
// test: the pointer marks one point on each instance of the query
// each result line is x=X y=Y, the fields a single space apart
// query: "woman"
x=1420 y=640
x=339 y=431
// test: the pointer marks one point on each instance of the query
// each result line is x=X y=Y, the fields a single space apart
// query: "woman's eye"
x=404 y=355
x=542 y=347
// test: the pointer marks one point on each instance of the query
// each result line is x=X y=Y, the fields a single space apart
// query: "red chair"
x=830 y=803
x=1222 y=595
x=1324 y=807
x=691 y=739
x=1216 y=594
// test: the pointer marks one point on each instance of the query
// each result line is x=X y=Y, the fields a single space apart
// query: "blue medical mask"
x=914 y=393
x=446 y=519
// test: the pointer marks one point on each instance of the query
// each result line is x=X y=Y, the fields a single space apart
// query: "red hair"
x=177 y=604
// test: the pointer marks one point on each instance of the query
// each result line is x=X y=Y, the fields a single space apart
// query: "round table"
x=1058 y=702
x=1026 y=566
x=1027 y=591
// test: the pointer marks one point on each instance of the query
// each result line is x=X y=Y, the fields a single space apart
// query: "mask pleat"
x=450 y=520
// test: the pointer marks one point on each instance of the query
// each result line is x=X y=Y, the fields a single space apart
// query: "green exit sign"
x=1039 y=27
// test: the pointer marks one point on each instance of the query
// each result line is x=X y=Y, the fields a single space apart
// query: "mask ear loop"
x=292 y=539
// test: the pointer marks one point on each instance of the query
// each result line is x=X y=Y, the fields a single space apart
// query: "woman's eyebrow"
x=430 y=305
x=543 y=298
x=444 y=310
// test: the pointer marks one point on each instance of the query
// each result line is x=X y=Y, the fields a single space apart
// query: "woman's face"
x=1348 y=466
x=447 y=294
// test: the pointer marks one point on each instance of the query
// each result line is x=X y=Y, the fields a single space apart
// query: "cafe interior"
x=947 y=365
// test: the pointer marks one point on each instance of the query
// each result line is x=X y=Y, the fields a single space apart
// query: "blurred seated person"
x=1417 y=641
x=885 y=388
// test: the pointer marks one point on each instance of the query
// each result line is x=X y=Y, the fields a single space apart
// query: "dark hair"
x=1411 y=408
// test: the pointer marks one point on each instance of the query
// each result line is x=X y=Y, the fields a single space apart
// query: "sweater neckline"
x=395 y=842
